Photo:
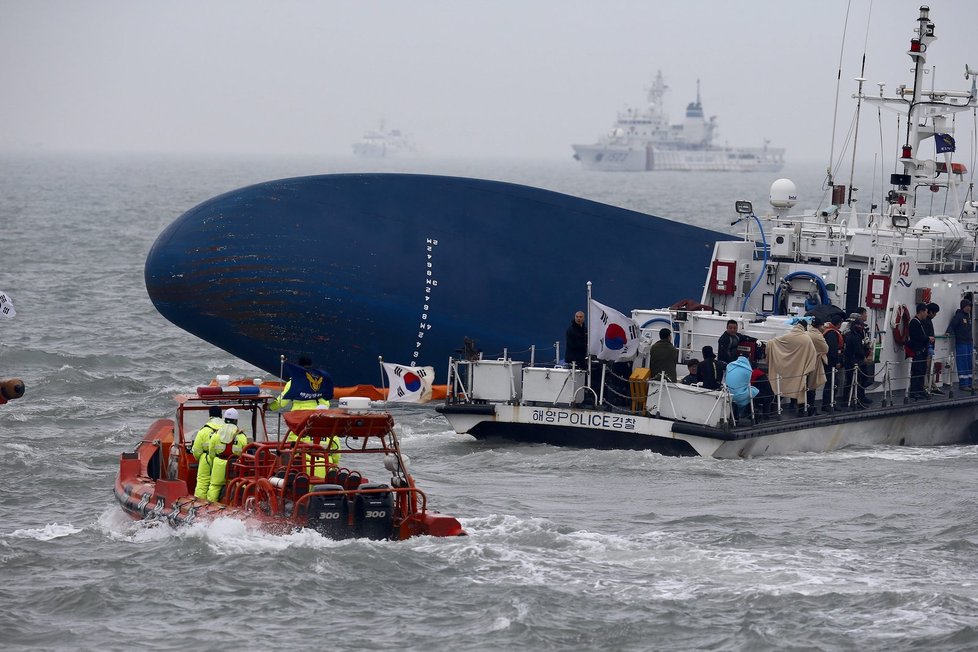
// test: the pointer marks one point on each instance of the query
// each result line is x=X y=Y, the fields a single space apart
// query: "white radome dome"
x=784 y=194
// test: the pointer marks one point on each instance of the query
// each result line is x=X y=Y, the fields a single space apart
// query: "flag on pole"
x=409 y=384
x=944 y=143
x=6 y=306
x=611 y=335
x=307 y=384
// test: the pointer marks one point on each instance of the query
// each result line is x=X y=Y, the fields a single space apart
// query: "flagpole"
x=380 y=362
x=587 y=324
x=281 y=373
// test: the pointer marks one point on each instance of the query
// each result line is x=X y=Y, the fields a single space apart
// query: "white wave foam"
x=225 y=536
x=23 y=452
x=46 y=533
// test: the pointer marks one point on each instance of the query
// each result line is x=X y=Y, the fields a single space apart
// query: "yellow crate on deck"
x=638 y=385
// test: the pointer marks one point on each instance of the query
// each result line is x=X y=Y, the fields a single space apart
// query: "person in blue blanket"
x=738 y=383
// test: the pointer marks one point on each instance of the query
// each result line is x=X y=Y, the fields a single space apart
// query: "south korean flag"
x=6 y=306
x=409 y=384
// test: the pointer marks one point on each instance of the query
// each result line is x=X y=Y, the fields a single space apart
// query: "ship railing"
x=485 y=380
x=410 y=500
x=662 y=397
x=835 y=240
x=694 y=404
x=892 y=377
x=811 y=241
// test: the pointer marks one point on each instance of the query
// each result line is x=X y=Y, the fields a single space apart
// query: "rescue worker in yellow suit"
x=203 y=436
x=315 y=401
x=226 y=443
x=200 y=448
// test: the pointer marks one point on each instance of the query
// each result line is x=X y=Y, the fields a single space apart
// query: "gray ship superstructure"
x=643 y=140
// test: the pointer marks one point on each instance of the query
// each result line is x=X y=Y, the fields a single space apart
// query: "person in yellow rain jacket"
x=313 y=388
x=308 y=388
x=334 y=458
x=226 y=443
x=203 y=437
x=200 y=448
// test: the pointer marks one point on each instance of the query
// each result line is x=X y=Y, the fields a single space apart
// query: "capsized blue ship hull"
x=350 y=267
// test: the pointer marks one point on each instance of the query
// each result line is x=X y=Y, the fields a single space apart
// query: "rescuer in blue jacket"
x=960 y=327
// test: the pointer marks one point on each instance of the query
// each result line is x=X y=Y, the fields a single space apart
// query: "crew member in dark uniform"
x=727 y=344
x=854 y=356
x=710 y=370
x=576 y=345
x=918 y=342
x=932 y=310
x=833 y=337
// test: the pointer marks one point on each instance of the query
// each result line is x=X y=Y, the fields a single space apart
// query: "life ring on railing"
x=261 y=497
x=901 y=324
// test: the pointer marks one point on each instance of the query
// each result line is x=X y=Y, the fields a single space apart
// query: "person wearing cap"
x=203 y=437
x=960 y=327
x=918 y=342
x=854 y=358
x=228 y=442
x=833 y=362
x=690 y=378
x=710 y=372
x=200 y=447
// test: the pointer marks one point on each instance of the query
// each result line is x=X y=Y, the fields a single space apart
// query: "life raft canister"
x=901 y=324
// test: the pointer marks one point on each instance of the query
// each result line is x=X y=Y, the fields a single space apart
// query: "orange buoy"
x=10 y=389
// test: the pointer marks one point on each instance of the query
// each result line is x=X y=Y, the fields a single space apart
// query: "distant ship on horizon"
x=643 y=140
x=384 y=143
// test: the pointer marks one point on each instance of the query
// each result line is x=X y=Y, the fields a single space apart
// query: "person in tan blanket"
x=817 y=379
x=792 y=357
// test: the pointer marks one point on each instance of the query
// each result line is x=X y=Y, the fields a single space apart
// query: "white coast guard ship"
x=642 y=139
x=385 y=143
x=888 y=259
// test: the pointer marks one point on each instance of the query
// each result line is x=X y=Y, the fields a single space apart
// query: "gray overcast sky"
x=469 y=78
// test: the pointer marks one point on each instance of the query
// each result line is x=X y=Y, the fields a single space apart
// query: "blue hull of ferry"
x=350 y=267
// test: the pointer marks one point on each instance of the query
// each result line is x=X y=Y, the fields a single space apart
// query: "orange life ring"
x=266 y=497
x=901 y=324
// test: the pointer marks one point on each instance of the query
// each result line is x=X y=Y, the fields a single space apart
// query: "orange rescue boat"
x=281 y=485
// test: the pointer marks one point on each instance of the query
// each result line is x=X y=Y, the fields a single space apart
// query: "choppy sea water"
x=864 y=549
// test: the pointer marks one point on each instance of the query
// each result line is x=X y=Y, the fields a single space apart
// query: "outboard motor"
x=330 y=515
x=373 y=514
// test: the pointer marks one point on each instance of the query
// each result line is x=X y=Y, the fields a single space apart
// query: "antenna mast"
x=859 y=105
x=835 y=112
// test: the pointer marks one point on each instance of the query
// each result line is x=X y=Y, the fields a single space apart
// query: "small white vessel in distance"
x=384 y=143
